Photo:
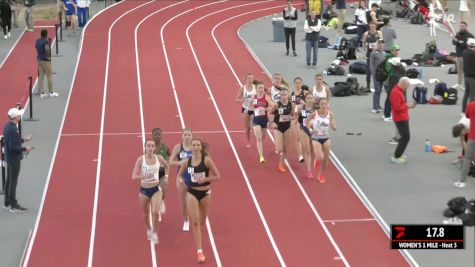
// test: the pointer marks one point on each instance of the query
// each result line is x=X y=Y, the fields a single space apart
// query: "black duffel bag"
x=341 y=89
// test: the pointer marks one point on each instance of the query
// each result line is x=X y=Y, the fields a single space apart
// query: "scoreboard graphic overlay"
x=430 y=236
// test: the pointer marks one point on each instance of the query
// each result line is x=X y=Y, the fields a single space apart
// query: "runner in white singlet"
x=245 y=96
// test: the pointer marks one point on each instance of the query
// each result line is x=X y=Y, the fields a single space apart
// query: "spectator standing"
x=372 y=15
x=6 y=17
x=29 y=14
x=465 y=10
x=389 y=34
x=376 y=57
x=290 y=23
x=70 y=10
x=401 y=118
x=460 y=42
x=43 y=50
x=15 y=7
x=341 y=10
x=469 y=153
x=394 y=52
x=469 y=72
x=370 y=41
x=83 y=12
x=361 y=22
x=13 y=156
x=60 y=10
x=312 y=27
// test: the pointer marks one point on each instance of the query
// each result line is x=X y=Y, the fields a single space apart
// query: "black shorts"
x=283 y=126
x=321 y=140
x=149 y=192
x=260 y=121
x=199 y=194
x=249 y=112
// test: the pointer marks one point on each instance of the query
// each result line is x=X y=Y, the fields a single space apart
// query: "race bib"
x=151 y=174
x=372 y=45
x=285 y=118
x=281 y=111
x=195 y=176
x=183 y=155
x=260 y=111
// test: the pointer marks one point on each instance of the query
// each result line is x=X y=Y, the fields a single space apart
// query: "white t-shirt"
x=464 y=6
x=361 y=14
x=465 y=121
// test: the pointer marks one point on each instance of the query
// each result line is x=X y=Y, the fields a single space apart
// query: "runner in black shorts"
x=284 y=111
x=298 y=98
x=304 y=133
x=146 y=169
x=261 y=104
x=197 y=173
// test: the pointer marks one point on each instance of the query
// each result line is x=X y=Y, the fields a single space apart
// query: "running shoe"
x=6 y=207
x=43 y=95
x=154 y=238
x=393 y=141
x=9 y=35
x=162 y=207
x=459 y=184
x=5 y=37
x=53 y=94
x=281 y=168
x=186 y=226
x=321 y=179
x=301 y=159
x=17 y=208
x=399 y=160
x=295 y=54
x=374 y=111
x=149 y=235
x=309 y=175
x=262 y=160
x=159 y=217
x=200 y=257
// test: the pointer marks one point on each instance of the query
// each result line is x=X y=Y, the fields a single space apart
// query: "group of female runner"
x=196 y=171
x=296 y=112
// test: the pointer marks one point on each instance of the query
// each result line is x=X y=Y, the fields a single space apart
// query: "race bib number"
x=151 y=174
x=183 y=155
x=254 y=102
x=285 y=118
x=304 y=114
x=281 y=111
x=260 y=111
x=197 y=175
x=372 y=45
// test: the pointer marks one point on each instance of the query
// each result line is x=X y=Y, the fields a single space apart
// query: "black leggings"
x=403 y=128
x=289 y=33
x=6 y=23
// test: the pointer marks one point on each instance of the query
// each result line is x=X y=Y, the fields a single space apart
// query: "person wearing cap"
x=12 y=142
x=376 y=57
x=400 y=113
x=43 y=50
x=393 y=52
x=290 y=15
x=460 y=42
x=469 y=72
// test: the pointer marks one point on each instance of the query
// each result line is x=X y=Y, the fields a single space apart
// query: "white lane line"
x=349 y=179
x=11 y=49
x=48 y=179
x=309 y=202
x=230 y=141
x=101 y=137
x=172 y=81
x=139 y=88
x=140 y=133
x=350 y=220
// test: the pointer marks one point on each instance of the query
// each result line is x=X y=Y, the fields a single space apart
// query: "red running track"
x=92 y=216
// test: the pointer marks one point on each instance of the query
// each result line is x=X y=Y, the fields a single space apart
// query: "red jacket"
x=398 y=104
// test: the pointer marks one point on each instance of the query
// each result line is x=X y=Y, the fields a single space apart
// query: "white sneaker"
x=9 y=35
x=374 y=111
x=389 y=119
x=53 y=94
x=301 y=159
x=186 y=226
x=5 y=37
x=162 y=207
x=372 y=90
x=399 y=160
x=453 y=220
x=43 y=95
x=459 y=184
x=154 y=238
x=393 y=141
x=149 y=235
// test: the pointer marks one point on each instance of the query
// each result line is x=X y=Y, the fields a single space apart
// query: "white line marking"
x=25 y=248
x=139 y=88
x=349 y=179
x=208 y=226
x=45 y=191
x=140 y=134
x=46 y=26
x=233 y=148
x=312 y=207
x=11 y=49
x=350 y=220
x=101 y=137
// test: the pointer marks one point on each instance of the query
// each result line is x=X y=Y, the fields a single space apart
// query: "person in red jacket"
x=400 y=114
x=468 y=156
